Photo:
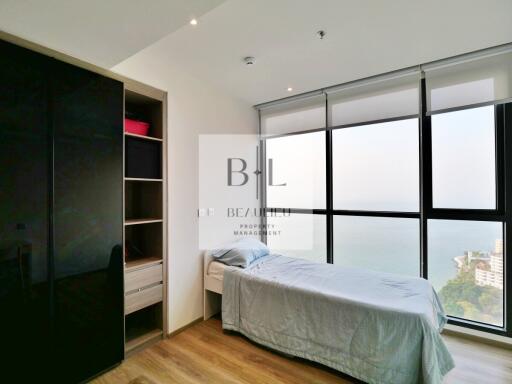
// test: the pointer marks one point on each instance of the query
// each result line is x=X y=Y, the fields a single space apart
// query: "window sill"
x=483 y=337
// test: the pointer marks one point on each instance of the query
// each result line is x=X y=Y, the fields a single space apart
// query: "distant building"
x=491 y=273
x=464 y=262
x=499 y=246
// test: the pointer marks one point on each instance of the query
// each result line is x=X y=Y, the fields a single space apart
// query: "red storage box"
x=136 y=127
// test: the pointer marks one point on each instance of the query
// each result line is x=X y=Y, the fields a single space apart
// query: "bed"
x=376 y=327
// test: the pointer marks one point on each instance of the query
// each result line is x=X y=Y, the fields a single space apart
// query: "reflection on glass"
x=376 y=167
x=296 y=172
x=466 y=268
x=463 y=159
x=378 y=243
x=298 y=235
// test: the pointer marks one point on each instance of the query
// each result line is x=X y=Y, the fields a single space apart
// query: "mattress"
x=216 y=270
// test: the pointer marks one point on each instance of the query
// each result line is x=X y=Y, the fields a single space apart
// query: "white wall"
x=194 y=108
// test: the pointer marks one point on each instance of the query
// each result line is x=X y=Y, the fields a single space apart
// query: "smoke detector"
x=249 y=60
x=321 y=34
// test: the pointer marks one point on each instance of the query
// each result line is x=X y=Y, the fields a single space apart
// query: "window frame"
x=499 y=214
x=502 y=213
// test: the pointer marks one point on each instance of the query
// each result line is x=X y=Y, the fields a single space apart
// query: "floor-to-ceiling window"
x=466 y=246
x=405 y=173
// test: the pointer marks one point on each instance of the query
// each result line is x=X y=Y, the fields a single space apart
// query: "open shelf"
x=145 y=337
x=147 y=109
x=142 y=200
x=142 y=262
x=142 y=221
x=143 y=244
x=143 y=158
x=143 y=326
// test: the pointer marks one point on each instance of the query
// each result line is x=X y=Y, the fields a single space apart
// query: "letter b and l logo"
x=241 y=167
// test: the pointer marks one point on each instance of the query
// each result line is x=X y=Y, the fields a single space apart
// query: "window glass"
x=378 y=243
x=376 y=167
x=296 y=171
x=463 y=159
x=298 y=235
x=466 y=268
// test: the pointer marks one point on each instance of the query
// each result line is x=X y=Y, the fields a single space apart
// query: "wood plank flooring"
x=204 y=354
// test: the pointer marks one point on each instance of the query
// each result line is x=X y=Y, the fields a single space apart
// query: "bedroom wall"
x=194 y=109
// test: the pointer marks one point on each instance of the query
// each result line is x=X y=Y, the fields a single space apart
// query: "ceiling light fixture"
x=290 y=89
x=193 y=22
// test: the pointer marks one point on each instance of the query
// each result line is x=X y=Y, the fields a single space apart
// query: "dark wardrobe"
x=61 y=212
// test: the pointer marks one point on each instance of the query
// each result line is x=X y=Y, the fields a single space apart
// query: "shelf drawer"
x=143 y=298
x=143 y=277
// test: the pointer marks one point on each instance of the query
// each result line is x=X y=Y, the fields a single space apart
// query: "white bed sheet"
x=377 y=327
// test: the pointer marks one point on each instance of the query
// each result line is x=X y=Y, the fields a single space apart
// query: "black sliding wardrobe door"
x=61 y=190
x=24 y=213
x=88 y=213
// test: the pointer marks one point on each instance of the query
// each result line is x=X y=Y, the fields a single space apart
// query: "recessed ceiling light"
x=193 y=22
x=290 y=89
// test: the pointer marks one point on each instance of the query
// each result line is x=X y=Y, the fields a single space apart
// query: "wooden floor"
x=204 y=354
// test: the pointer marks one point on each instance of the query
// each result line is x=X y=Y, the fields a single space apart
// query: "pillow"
x=241 y=253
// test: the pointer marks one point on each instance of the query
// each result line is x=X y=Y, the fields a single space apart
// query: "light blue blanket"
x=377 y=327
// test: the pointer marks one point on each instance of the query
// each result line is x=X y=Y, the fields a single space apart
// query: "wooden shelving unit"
x=145 y=226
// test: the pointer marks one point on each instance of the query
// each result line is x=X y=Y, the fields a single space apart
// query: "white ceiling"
x=103 y=32
x=364 y=37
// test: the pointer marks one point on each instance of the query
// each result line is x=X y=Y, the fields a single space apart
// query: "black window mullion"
x=425 y=142
x=504 y=118
x=329 y=191
x=390 y=214
x=465 y=214
x=500 y=145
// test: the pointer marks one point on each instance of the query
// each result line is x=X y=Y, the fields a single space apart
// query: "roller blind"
x=381 y=98
x=478 y=80
x=293 y=116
